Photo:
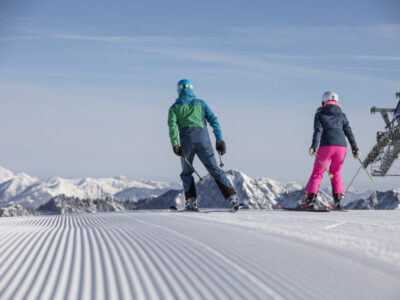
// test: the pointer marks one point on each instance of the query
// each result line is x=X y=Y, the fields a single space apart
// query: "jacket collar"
x=332 y=103
x=186 y=94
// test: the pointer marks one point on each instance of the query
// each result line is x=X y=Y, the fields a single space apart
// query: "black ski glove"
x=221 y=147
x=178 y=150
x=356 y=152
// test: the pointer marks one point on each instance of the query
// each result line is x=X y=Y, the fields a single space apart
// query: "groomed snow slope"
x=217 y=255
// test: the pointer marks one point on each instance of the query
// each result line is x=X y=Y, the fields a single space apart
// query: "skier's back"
x=187 y=118
x=331 y=128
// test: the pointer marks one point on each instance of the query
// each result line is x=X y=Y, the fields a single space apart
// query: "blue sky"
x=86 y=85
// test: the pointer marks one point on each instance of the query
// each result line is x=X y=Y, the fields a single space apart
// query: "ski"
x=340 y=209
x=333 y=208
x=236 y=208
x=305 y=209
x=325 y=209
x=175 y=209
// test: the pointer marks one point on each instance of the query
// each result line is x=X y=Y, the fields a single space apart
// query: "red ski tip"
x=280 y=206
x=327 y=207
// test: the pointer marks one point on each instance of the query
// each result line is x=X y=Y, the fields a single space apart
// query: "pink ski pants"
x=336 y=155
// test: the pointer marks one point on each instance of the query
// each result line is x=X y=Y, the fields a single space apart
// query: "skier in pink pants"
x=330 y=129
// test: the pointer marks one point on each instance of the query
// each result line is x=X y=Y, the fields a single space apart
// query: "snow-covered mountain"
x=14 y=184
x=16 y=210
x=33 y=192
x=165 y=201
x=291 y=199
x=378 y=200
x=141 y=192
x=5 y=174
x=69 y=205
x=256 y=193
x=266 y=193
x=351 y=195
x=260 y=193
x=162 y=184
x=82 y=195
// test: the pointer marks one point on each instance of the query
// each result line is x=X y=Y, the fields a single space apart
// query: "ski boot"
x=337 y=198
x=308 y=202
x=234 y=200
x=191 y=204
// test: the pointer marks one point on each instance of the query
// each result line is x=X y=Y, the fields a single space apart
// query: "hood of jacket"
x=331 y=108
x=185 y=95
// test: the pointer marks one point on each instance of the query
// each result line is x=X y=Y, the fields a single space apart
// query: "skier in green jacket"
x=188 y=118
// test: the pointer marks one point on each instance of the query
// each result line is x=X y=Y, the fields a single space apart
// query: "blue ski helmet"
x=184 y=83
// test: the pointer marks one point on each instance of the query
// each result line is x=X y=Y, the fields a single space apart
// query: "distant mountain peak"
x=378 y=200
x=5 y=174
x=263 y=193
x=31 y=191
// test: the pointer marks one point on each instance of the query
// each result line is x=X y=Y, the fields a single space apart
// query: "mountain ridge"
x=119 y=193
x=32 y=191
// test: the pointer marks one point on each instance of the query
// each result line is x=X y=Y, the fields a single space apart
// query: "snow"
x=15 y=185
x=253 y=254
x=33 y=192
x=5 y=174
x=15 y=210
x=69 y=205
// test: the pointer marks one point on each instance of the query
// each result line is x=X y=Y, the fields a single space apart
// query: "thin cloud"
x=390 y=31
x=377 y=58
x=335 y=57
x=40 y=35
x=113 y=39
x=172 y=48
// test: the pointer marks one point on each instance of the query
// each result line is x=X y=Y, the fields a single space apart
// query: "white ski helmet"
x=329 y=96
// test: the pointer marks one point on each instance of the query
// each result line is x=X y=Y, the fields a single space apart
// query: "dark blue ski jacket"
x=331 y=126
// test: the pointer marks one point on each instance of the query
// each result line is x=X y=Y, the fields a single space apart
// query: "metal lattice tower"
x=387 y=149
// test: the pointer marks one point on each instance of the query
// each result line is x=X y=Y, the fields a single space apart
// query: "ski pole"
x=190 y=165
x=330 y=175
x=351 y=182
x=220 y=160
x=365 y=169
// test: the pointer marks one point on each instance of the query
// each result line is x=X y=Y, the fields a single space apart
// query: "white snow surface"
x=253 y=254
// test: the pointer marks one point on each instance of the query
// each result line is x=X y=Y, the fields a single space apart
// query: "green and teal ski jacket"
x=188 y=116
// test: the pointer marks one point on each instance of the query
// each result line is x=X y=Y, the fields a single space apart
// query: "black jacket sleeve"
x=317 y=131
x=348 y=132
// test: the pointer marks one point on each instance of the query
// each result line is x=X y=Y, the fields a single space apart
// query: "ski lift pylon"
x=387 y=149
